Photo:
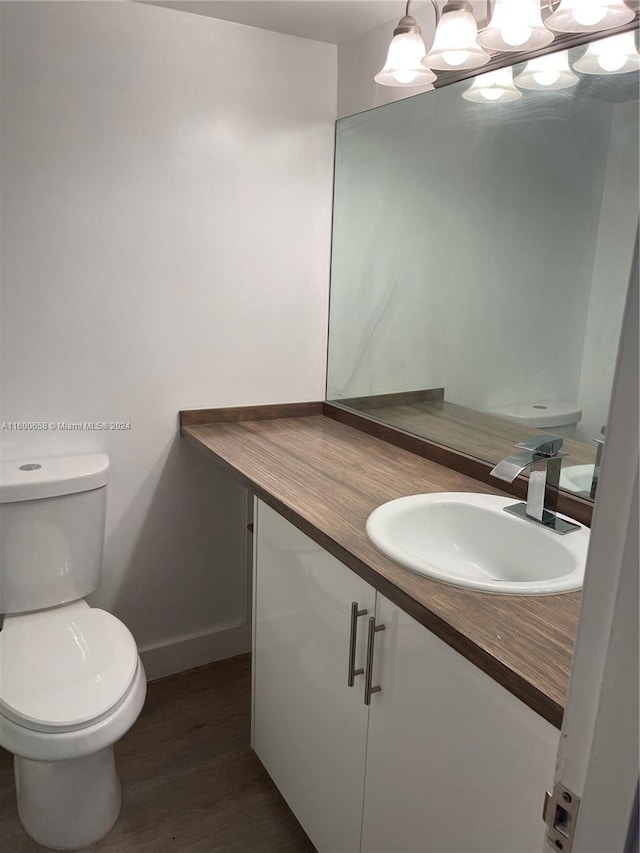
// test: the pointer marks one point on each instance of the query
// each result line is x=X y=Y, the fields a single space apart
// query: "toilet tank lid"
x=49 y=477
x=542 y=413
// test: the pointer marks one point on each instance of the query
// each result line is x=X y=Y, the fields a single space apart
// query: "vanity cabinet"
x=443 y=760
x=309 y=726
x=455 y=763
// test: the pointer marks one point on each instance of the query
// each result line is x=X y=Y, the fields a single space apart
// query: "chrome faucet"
x=540 y=454
x=598 y=462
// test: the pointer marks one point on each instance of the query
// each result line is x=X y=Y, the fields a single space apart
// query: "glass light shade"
x=403 y=66
x=547 y=72
x=455 y=45
x=515 y=25
x=589 y=16
x=494 y=87
x=613 y=55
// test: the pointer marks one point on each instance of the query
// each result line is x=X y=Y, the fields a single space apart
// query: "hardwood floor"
x=191 y=783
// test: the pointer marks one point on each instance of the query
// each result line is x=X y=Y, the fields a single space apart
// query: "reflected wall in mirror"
x=481 y=259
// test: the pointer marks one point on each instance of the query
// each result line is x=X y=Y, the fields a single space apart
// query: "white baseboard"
x=178 y=654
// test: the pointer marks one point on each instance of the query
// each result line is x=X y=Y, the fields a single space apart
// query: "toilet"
x=556 y=416
x=71 y=680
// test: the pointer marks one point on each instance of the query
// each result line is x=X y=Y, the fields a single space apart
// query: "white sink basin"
x=577 y=478
x=468 y=540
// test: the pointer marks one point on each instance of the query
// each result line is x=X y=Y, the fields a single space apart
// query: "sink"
x=577 y=478
x=468 y=540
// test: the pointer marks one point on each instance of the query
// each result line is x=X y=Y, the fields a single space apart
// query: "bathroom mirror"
x=481 y=259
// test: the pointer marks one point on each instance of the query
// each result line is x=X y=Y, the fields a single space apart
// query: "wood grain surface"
x=444 y=451
x=397 y=398
x=190 y=781
x=479 y=434
x=248 y=413
x=326 y=478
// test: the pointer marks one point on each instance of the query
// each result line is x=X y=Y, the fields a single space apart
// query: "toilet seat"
x=64 y=669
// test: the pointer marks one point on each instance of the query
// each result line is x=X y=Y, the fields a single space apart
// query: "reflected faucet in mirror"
x=596 y=468
x=542 y=457
x=583 y=479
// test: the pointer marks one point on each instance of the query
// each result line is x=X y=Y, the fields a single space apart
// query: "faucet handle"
x=545 y=444
x=600 y=441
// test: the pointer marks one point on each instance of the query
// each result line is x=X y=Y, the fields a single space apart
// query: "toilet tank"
x=52 y=516
x=556 y=416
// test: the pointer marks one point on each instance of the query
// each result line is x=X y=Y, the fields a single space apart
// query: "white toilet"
x=556 y=416
x=71 y=681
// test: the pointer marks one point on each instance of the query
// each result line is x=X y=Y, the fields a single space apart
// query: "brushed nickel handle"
x=353 y=635
x=369 y=689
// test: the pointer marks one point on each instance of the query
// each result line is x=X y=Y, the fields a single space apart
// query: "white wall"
x=611 y=269
x=166 y=209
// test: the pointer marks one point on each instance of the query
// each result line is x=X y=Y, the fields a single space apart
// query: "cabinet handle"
x=368 y=677
x=355 y=613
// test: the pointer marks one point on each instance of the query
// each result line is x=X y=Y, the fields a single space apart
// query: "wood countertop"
x=326 y=477
x=479 y=434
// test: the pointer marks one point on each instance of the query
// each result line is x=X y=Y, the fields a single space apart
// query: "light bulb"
x=403 y=66
x=547 y=72
x=455 y=58
x=492 y=87
x=515 y=25
x=404 y=77
x=490 y=94
x=455 y=45
x=515 y=33
x=546 y=78
x=612 y=61
x=586 y=16
x=613 y=55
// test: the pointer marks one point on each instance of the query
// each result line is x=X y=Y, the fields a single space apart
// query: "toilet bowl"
x=71 y=680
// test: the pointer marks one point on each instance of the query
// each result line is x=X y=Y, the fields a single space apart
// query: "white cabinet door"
x=309 y=727
x=455 y=763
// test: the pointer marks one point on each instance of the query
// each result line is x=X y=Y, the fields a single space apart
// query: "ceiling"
x=333 y=21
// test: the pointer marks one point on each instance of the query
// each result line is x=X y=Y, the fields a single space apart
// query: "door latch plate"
x=560 y=814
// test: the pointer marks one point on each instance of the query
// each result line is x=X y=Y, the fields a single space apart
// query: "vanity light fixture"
x=589 y=16
x=493 y=87
x=455 y=45
x=614 y=55
x=545 y=73
x=515 y=25
x=403 y=66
